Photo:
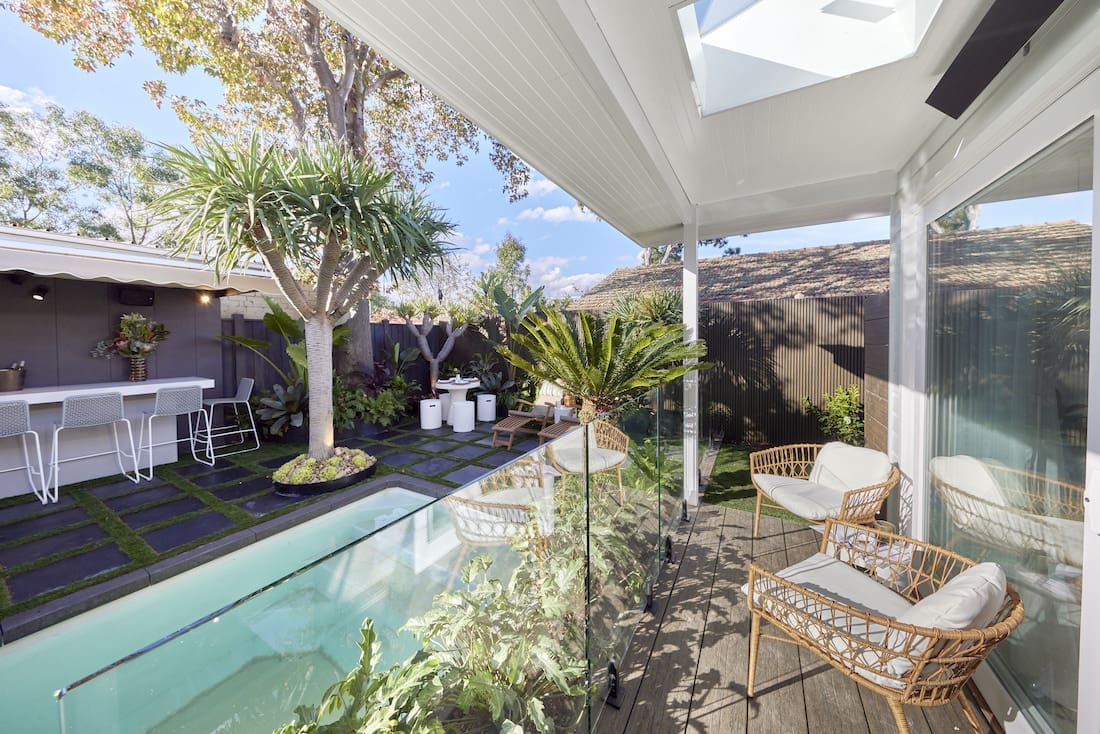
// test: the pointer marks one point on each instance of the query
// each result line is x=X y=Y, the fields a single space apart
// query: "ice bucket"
x=11 y=379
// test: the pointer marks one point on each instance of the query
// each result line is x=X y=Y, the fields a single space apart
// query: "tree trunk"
x=359 y=350
x=318 y=332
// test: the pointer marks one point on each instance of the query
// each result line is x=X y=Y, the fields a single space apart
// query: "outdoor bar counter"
x=45 y=407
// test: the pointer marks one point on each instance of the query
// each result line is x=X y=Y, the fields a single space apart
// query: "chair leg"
x=40 y=487
x=754 y=648
x=969 y=713
x=756 y=518
x=899 y=715
x=133 y=455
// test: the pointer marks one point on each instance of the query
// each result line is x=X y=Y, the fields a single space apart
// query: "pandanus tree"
x=603 y=362
x=327 y=224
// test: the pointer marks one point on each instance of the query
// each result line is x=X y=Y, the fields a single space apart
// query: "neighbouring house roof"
x=996 y=257
x=811 y=272
x=53 y=254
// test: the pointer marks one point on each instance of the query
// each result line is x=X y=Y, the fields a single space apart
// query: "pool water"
x=248 y=668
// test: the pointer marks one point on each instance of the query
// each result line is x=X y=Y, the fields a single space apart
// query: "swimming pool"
x=220 y=676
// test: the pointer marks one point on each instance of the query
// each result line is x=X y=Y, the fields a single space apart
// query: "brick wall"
x=250 y=305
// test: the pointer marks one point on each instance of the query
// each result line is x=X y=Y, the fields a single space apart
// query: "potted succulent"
x=138 y=336
x=304 y=475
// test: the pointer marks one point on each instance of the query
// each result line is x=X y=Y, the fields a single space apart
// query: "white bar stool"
x=89 y=411
x=172 y=402
x=431 y=414
x=15 y=422
x=486 y=407
x=244 y=392
x=462 y=416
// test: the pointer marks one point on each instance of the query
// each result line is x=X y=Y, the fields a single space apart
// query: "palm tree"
x=604 y=362
x=327 y=225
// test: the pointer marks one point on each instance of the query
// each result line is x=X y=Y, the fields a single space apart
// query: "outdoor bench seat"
x=529 y=421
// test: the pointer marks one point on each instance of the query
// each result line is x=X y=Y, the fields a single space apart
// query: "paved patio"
x=106 y=538
x=687 y=666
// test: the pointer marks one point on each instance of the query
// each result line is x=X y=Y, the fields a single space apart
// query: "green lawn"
x=731 y=486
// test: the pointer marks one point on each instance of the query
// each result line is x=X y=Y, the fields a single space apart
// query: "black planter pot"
x=315 y=488
x=294 y=434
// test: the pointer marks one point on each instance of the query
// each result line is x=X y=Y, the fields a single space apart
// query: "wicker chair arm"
x=862 y=505
x=793 y=460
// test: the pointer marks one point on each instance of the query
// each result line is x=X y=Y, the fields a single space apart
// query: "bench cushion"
x=804 y=498
x=843 y=467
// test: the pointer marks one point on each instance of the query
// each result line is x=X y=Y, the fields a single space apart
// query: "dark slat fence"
x=768 y=355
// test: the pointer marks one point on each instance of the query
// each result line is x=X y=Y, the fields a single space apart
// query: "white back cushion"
x=970 y=600
x=843 y=467
x=967 y=474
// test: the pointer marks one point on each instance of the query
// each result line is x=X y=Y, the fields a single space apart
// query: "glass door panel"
x=1009 y=290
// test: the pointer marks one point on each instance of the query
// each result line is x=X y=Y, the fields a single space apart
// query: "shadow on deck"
x=687 y=666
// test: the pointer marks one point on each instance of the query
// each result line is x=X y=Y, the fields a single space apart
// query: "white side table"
x=562 y=411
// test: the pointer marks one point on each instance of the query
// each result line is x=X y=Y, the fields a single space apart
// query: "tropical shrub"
x=649 y=307
x=281 y=408
x=842 y=416
x=304 y=469
x=603 y=362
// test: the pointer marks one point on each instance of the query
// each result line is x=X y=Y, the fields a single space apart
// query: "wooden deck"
x=687 y=665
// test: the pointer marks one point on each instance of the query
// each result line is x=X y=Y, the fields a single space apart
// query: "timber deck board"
x=687 y=666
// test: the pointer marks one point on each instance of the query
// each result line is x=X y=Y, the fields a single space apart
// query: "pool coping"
x=28 y=622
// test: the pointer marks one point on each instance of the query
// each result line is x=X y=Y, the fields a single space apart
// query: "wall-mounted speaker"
x=131 y=296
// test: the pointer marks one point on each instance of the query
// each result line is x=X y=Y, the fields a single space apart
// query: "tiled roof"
x=985 y=257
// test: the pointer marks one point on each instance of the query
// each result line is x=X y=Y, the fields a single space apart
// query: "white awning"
x=66 y=256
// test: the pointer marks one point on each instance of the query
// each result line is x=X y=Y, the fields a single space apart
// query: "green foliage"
x=603 y=362
x=842 y=416
x=304 y=469
x=646 y=307
x=384 y=408
x=282 y=407
x=137 y=336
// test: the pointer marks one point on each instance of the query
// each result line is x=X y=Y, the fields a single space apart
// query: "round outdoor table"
x=458 y=388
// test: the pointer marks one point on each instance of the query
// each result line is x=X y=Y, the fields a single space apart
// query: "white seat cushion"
x=1065 y=540
x=969 y=475
x=571 y=458
x=843 y=467
x=837 y=580
x=802 y=497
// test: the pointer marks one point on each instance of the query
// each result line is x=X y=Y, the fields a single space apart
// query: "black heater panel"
x=1004 y=30
x=130 y=296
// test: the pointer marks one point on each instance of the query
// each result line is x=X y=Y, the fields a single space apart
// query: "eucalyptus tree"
x=327 y=224
x=603 y=362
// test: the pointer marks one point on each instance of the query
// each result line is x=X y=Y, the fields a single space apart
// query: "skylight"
x=742 y=51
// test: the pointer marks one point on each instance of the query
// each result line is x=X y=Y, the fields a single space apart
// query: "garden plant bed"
x=107 y=537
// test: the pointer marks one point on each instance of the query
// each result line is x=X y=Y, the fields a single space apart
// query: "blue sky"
x=569 y=249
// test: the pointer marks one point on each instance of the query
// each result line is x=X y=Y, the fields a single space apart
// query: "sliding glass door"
x=1009 y=304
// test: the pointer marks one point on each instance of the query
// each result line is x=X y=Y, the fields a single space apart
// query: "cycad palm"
x=328 y=226
x=604 y=362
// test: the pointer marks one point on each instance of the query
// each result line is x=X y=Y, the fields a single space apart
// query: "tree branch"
x=285 y=279
x=330 y=258
x=359 y=271
x=379 y=81
x=311 y=42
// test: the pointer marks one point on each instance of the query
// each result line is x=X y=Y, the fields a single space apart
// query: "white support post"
x=691 y=380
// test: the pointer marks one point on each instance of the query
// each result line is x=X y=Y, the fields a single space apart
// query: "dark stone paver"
x=498 y=459
x=401 y=458
x=243 y=489
x=443 y=430
x=469 y=451
x=435 y=465
x=222 y=476
x=33 y=507
x=466 y=474
x=385 y=435
x=277 y=461
x=121 y=487
x=34 y=526
x=485 y=441
x=439 y=446
x=126 y=501
x=36 y=549
x=182 y=533
x=57 y=575
x=192 y=470
x=160 y=513
x=527 y=444
x=267 y=503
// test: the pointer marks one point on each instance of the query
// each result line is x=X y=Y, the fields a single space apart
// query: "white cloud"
x=470 y=251
x=541 y=187
x=20 y=101
x=547 y=271
x=627 y=258
x=502 y=221
x=481 y=248
x=559 y=214
x=444 y=184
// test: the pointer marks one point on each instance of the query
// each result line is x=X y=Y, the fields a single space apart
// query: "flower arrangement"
x=137 y=337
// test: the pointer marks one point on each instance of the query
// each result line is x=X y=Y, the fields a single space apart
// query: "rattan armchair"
x=857 y=498
x=607 y=452
x=826 y=604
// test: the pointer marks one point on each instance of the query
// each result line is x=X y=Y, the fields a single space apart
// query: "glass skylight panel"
x=742 y=51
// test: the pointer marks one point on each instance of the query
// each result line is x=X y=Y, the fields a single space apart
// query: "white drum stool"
x=431 y=414
x=486 y=407
x=462 y=416
x=445 y=404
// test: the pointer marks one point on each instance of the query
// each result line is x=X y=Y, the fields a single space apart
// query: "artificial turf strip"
x=731 y=486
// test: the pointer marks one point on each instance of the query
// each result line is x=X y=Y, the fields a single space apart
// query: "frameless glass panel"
x=1009 y=285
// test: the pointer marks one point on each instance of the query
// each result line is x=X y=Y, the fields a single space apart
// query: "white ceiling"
x=596 y=94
